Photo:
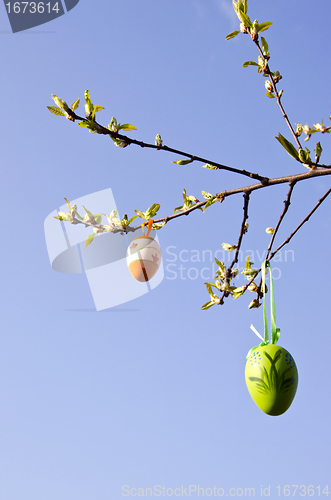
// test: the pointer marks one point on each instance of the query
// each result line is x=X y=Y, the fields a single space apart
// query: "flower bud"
x=270 y=230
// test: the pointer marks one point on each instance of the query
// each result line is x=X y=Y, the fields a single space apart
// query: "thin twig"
x=242 y=232
x=288 y=239
x=268 y=72
x=320 y=201
x=287 y=203
x=128 y=140
x=222 y=195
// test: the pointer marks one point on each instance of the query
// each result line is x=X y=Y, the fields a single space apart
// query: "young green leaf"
x=84 y=124
x=88 y=105
x=97 y=108
x=56 y=111
x=88 y=215
x=245 y=19
x=62 y=216
x=158 y=225
x=265 y=46
x=60 y=102
x=292 y=151
x=152 y=210
x=69 y=206
x=183 y=162
x=140 y=214
x=132 y=219
x=232 y=35
x=211 y=167
x=127 y=126
x=263 y=26
x=270 y=94
x=249 y=63
x=89 y=239
x=207 y=305
x=75 y=104
x=208 y=196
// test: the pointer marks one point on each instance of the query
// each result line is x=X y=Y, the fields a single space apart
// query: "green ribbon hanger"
x=275 y=332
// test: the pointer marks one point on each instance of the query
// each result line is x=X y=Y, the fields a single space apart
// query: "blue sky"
x=152 y=392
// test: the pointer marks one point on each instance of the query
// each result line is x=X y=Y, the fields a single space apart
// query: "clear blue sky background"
x=152 y=392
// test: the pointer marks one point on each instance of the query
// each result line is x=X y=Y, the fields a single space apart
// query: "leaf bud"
x=234 y=273
x=270 y=230
x=302 y=155
x=158 y=140
x=253 y=287
x=277 y=76
x=228 y=248
x=268 y=86
x=254 y=304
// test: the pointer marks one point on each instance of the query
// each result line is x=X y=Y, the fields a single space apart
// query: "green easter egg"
x=272 y=378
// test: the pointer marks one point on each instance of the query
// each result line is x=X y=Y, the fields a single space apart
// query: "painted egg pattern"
x=143 y=258
x=272 y=378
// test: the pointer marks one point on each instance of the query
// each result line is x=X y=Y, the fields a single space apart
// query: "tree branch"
x=287 y=203
x=320 y=201
x=127 y=140
x=273 y=83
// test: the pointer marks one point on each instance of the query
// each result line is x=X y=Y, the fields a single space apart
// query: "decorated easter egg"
x=143 y=258
x=272 y=378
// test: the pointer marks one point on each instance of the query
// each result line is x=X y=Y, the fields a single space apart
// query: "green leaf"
x=75 y=105
x=140 y=214
x=183 y=162
x=132 y=219
x=265 y=46
x=88 y=104
x=60 y=102
x=245 y=19
x=127 y=126
x=88 y=214
x=209 y=202
x=270 y=94
x=220 y=264
x=249 y=63
x=232 y=35
x=152 y=210
x=208 y=196
x=159 y=225
x=208 y=165
x=98 y=218
x=84 y=124
x=97 y=108
x=263 y=26
x=292 y=151
x=69 y=206
x=56 y=111
x=89 y=239
x=207 y=305
x=249 y=263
